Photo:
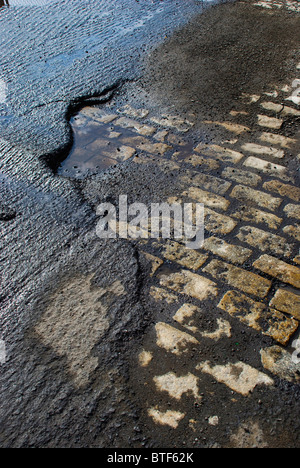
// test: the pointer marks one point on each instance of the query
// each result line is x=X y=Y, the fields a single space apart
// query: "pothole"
x=96 y=144
x=105 y=137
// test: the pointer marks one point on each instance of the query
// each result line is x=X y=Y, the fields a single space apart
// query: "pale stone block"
x=265 y=241
x=260 y=317
x=279 y=269
x=247 y=194
x=239 y=377
x=239 y=278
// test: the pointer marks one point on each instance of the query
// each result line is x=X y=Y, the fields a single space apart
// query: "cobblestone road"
x=247 y=270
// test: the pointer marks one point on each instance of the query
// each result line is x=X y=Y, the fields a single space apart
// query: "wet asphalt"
x=57 y=57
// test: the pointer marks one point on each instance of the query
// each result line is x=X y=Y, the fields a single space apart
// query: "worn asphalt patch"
x=204 y=67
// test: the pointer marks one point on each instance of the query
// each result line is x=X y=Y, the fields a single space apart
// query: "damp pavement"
x=144 y=343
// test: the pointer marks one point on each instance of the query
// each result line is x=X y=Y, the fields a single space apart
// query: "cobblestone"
x=263 y=150
x=97 y=115
x=290 y=111
x=133 y=112
x=206 y=182
x=168 y=418
x=133 y=124
x=246 y=194
x=189 y=258
x=185 y=316
x=258 y=316
x=286 y=301
x=265 y=241
x=229 y=252
x=145 y=358
x=161 y=294
x=241 y=177
x=239 y=377
x=182 y=125
x=239 y=278
x=190 y=284
x=272 y=106
x=279 y=269
x=267 y=167
x=293 y=211
x=269 y=122
x=208 y=199
x=173 y=340
x=178 y=386
x=256 y=216
x=156 y=262
x=225 y=154
x=278 y=361
x=280 y=140
x=217 y=223
x=230 y=126
x=282 y=189
x=293 y=231
x=205 y=164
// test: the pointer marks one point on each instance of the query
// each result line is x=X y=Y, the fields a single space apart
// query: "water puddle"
x=104 y=138
x=98 y=144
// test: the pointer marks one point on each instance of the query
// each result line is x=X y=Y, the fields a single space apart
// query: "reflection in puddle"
x=104 y=138
x=97 y=143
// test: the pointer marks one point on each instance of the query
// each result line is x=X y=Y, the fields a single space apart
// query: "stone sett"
x=279 y=269
x=269 y=122
x=229 y=252
x=265 y=241
x=239 y=278
x=224 y=154
x=190 y=284
x=268 y=168
x=179 y=253
x=293 y=231
x=278 y=361
x=293 y=211
x=202 y=162
x=217 y=223
x=241 y=177
x=288 y=302
x=279 y=140
x=262 y=199
x=260 y=317
x=253 y=215
x=285 y=190
x=205 y=182
x=263 y=150
x=208 y=199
